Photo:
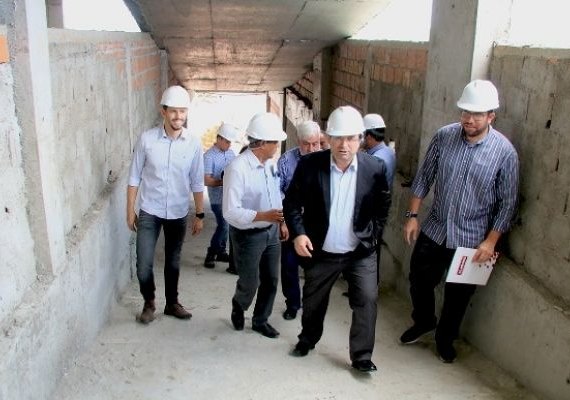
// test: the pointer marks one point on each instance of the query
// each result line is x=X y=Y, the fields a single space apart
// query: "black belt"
x=255 y=230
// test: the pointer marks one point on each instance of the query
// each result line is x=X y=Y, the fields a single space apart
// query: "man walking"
x=215 y=160
x=167 y=165
x=336 y=207
x=308 y=139
x=252 y=206
x=474 y=171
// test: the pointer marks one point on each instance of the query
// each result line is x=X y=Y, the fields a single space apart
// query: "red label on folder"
x=461 y=265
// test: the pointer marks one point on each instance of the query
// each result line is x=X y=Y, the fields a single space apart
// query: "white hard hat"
x=266 y=126
x=307 y=129
x=228 y=132
x=479 y=96
x=345 y=121
x=175 y=96
x=373 y=121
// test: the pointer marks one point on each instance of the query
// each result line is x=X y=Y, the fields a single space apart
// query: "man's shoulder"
x=502 y=141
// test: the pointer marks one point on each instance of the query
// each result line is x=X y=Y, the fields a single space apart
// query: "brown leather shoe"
x=147 y=314
x=176 y=310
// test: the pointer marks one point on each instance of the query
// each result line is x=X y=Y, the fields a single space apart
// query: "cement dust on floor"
x=204 y=358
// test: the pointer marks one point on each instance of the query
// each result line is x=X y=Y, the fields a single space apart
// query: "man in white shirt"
x=336 y=207
x=252 y=206
x=167 y=166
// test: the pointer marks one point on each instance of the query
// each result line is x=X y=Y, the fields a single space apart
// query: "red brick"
x=388 y=74
x=421 y=60
x=406 y=78
x=398 y=73
x=4 y=53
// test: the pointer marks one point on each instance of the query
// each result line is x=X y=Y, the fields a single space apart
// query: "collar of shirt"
x=353 y=165
x=162 y=133
x=376 y=148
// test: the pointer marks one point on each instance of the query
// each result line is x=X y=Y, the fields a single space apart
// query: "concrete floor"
x=204 y=358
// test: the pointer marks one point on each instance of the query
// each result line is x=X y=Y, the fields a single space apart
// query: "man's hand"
x=273 y=216
x=411 y=230
x=484 y=252
x=303 y=246
x=197 y=225
x=132 y=220
x=283 y=232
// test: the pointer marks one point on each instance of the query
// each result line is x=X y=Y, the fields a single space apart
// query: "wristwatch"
x=410 y=214
x=200 y=215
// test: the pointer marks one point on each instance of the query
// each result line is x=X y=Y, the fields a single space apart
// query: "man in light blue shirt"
x=215 y=160
x=252 y=206
x=308 y=138
x=167 y=166
x=374 y=144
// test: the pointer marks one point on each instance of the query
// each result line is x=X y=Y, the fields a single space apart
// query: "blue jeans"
x=148 y=230
x=257 y=264
x=290 y=276
x=220 y=236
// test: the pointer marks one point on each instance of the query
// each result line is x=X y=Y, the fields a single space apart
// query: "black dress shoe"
x=302 y=349
x=266 y=330
x=237 y=316
x=446 y=352
x=290 y=314
x=231 y=270
x=364 y=366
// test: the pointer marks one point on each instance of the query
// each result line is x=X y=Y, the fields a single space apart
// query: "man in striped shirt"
x=474 y=171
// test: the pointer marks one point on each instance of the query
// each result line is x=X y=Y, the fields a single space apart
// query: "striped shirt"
x=476 y=186
x=215 y=160
x=286 y=166
x=167 y=170
x=388 y=156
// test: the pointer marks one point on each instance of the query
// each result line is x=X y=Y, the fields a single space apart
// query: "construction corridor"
x=205 y=358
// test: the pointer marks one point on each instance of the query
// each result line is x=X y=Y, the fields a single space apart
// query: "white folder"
x=464 y=270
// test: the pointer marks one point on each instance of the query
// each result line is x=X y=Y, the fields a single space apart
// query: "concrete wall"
x=104 y=89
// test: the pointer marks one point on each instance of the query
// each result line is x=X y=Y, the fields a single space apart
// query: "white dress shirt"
x=340 y=236
x=249 y=187
x=166 y=171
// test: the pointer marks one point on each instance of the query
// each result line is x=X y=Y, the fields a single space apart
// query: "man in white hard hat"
x=375 y=129
x=215 y=160
x=474 y=171
x=167 y=166
x=336 y=207
x=308 y=139
x=252 y=206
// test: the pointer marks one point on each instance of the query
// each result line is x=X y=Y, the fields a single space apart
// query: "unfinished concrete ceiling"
x=248 y=45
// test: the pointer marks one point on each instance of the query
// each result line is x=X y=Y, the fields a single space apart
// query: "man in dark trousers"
x=336 y=207
x=473 y=169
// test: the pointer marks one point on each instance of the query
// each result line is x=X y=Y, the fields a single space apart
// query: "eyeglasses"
x=477 y=116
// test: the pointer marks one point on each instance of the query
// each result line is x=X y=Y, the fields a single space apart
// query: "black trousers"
x=427 y=267
x=321 y=272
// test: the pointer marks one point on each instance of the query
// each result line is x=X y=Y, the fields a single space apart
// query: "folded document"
x=464 y=270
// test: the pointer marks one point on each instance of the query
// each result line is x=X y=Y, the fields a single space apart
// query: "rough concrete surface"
x=204 y=358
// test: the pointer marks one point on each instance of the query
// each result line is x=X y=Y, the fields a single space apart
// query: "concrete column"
x=54 y=13
x=33 y=98
x=461 y=44
x=322 y=86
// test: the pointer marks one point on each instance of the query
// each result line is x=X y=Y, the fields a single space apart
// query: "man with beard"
x=474 y=171
x=167 y=165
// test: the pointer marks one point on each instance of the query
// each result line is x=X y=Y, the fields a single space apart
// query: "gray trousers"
x=256 y=256
x=361 y=274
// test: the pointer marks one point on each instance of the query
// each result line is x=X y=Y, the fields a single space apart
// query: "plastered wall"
x=105 y=92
